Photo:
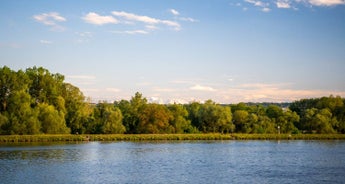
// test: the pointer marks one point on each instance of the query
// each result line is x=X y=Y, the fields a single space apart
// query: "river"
x=174 y=162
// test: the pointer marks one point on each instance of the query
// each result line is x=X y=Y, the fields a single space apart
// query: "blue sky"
x=229 y=51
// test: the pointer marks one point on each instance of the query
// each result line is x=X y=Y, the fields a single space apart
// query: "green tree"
x=179 y=119
x=52 y=121
x=131 y=111
x=155 y=118
x=319 y=121
x=22 y=118
x=11 y=82
x=240 y=119
x=193 y=114
x=109 y=119
x=78 y=112
x=3 y=124
x=215 y=118
x=45 y=87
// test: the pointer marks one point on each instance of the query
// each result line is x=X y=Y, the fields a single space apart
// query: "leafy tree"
x=78 y=113
x=3 y=123
x=22 y=118
x=131 y=112
x=155 y=118
x=179 y=119
x=45 y=87
x=109 y=119
x=193 y=114
x=240 y=119
x=319 y=121
x=11 y=82
x=52 y=121
x=215 y=118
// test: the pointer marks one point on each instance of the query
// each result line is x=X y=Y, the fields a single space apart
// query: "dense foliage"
x=36 y=101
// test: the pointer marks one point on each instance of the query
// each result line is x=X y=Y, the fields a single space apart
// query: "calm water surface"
x=175 y=162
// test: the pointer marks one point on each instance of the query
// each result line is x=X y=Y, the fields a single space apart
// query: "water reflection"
x=175 y=162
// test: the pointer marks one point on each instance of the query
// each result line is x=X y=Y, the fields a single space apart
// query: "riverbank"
x=153 y=137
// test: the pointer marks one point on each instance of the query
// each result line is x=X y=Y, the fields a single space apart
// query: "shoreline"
x=167 y=137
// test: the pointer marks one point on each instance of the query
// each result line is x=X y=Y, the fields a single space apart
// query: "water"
x=175 y=162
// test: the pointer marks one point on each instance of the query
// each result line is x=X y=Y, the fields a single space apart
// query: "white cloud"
x=84 y=34
x=94 y=18
x=115 y=90
x=174 y=12
x=257 y=3
x=283 y=4
x=264 y=6
x=51 y=19
x=151 y=27
x=146 y=19
x=262 y=92
x=47 y=42
x=188 y=19
x=132 y=32
x=326 y=2
x=265 y=9
x=201 y=88
x=156 y=100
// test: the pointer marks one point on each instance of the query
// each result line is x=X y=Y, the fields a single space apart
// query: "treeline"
x=36 y=101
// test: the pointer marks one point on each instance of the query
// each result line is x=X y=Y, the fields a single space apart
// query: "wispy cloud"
x=325 y=2
x=46 y=42
x=263 y=5
x=291 y=4
x=174 y=12
x=51 y=19
x=146 y=19
x=94 y=18
x=132 y=32
x=263 y=92
x=188 y=19
x=115 y=90
x=198 y=87
x=83 y=37
x=283 y=4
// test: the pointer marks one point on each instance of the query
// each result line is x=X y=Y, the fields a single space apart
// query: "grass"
x=157 y=137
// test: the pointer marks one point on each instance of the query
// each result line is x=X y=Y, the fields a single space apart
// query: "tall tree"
x=179 y=119
x=215 y=118
x=155 y=118
x=131 y=111
x=22 y=117
x=52 y=121
x=79 y=113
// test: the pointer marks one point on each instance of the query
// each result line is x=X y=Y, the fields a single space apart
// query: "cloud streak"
x=51 y=19
x=326 y=2
x=94 y=18
x=146 y=19
x=263 y=5
x=174 y=12
x=202 y=88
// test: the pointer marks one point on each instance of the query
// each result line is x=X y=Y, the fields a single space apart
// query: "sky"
x=180 y=51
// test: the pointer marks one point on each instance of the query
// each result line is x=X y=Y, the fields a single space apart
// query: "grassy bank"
x=151 y=137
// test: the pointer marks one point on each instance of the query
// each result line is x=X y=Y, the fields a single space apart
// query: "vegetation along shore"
x=38 y=103
x=163 y=137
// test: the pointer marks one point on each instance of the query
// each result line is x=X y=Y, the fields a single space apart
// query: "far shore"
x=163 y=137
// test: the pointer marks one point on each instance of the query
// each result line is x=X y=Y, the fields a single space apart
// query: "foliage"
x=36 y=101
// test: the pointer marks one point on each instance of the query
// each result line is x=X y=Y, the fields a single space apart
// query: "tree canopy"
x=36 y=101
